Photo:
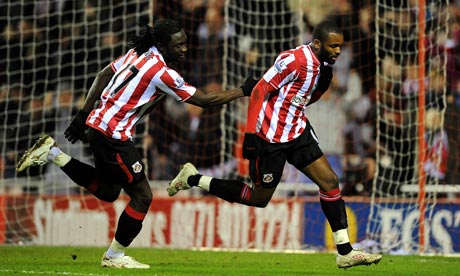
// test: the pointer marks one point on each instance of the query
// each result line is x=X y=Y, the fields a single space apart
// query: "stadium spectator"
x=128 y=88
x=212 y=33
x=35 y=119
x=437 y=145
x=11 y=105
x=278 y=130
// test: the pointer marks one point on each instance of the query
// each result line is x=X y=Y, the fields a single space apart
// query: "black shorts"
x=268 y=168
x=119 y=162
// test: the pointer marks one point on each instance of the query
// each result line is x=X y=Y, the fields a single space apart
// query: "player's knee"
x=259 y=200
x=112 y=197
x=146 y=200
x=142 y=201
x=262 y=203
x=109 y=194
x=331 y=182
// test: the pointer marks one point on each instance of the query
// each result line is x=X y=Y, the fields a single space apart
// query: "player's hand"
x=250 y=146
x=249 y=84
x=77 y=127
x=325 y=78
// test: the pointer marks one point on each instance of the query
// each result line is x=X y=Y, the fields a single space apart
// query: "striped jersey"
x=139 y=81
x=290 y=85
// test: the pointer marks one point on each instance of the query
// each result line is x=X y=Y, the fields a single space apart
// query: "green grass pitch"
x=39 y=260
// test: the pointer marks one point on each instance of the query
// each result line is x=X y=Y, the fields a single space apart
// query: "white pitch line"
x=50 y=272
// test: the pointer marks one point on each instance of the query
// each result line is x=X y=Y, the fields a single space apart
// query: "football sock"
x=333 y=207
x=82 y=174
x=204 y=182
x=116 y=250
x=58 y=156
x=342 y=241
x=341 y=236
x=129 y=226
x=193 y=180
x=229 y=190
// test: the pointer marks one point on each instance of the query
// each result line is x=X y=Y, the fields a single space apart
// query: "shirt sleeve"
x=282 y=71
x=173 y=84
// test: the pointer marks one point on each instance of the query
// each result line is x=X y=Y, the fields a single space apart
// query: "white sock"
x=58 y=157
x=341 y=236
x=116 y=250
x=204 y=182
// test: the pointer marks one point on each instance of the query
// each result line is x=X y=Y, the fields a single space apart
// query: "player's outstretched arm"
x=222 y=97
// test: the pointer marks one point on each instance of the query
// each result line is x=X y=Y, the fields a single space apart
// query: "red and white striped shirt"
x=290 y=85
x=136 y=85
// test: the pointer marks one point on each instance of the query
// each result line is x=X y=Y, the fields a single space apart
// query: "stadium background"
x=389 y=124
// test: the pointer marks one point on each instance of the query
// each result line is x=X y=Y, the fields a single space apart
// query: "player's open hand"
x=77 y=127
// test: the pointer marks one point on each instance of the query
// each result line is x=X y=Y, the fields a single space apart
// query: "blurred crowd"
x=50 y=52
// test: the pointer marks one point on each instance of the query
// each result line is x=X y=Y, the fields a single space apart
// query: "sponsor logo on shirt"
x=179 y=82
x=280 y=66
x=296 y=100
x=137 y=167
x=149 y=55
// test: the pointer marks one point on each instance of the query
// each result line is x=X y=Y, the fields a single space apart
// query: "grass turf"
x=40 y=260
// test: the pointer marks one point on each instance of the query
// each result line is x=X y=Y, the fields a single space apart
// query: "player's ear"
x=316 y=44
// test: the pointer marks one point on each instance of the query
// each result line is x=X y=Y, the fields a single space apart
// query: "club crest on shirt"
x=137 y=167
x=280 y=66
x=267 y=178
x=179 y=82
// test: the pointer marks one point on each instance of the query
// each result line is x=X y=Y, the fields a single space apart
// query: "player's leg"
x=121 y=162
x=320 y=172
x=84 y=175
x=129 y=226
x=229 y=190
x=333 y=207
x=306 y=156
x=265 y=173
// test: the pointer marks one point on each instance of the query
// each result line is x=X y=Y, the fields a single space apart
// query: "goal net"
x=389 y=124
x=417 y=136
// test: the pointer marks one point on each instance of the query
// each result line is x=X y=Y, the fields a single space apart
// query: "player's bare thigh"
x=320 y=172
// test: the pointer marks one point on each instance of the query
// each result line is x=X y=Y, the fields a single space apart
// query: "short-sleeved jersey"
x=291 y=84
x=139 y=81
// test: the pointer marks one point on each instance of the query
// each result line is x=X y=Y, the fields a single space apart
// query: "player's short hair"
x=324 y=28
x=160 y=33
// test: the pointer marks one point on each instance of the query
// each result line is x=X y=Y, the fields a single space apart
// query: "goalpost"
x=389 y=124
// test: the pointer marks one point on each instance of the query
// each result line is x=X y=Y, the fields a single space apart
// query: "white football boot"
x=180 y=181
x=37 y=155
x=122 y=262
x=357 y=257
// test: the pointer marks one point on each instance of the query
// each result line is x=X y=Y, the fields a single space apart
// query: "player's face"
x=176 y=48
x=330 y=49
